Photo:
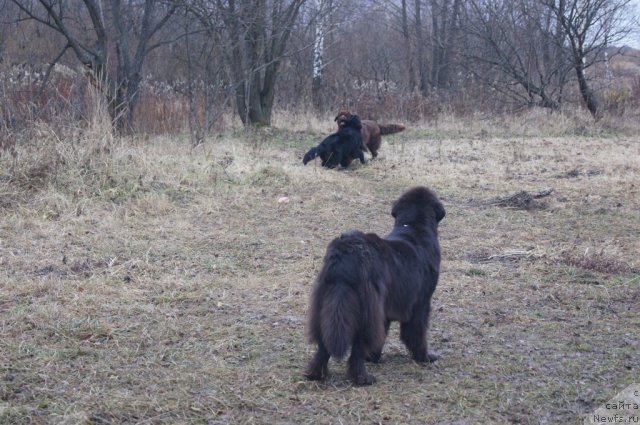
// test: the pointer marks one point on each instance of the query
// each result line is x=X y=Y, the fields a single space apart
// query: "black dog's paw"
x=315 y=372
x=313 y=375
x=426 y=357
x=375 y=358
x=365 y=379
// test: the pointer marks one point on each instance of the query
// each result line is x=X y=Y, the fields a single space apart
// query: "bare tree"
x=368 y=54
x=203 y=72
x=420 y=52
x=440 y=34
x=93 y=29
x=408 y=45
x=509 y=51
x=444 y=16
x=407 y=22
x=257 y=34
x=591 y=26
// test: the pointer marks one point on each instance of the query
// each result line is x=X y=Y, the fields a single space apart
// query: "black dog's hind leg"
x=318 y=366
x=357 y=370
x=377 y=355
x=414 y=335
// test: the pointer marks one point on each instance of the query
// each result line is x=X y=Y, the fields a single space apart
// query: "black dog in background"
x=366 y=282
x=341 y=147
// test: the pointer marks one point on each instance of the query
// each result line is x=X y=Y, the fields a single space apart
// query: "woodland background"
x=168 y=66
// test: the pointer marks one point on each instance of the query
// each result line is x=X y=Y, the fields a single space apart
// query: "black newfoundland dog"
x=366 y=282
x=371 y=131
x=341 y=147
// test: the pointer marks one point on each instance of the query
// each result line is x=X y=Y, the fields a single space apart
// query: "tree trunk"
x=420 y=42
x=257 y=49
x=444 y=22
x=448 y=48
x=323 y=7
x=408 y=51
x=318 y=64
x=588 y=95
x=436 y=55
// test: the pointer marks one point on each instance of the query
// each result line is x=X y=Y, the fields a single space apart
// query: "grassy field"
x=148 y=281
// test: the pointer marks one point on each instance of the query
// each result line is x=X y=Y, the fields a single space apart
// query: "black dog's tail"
x=339 y=318
x=309 y=156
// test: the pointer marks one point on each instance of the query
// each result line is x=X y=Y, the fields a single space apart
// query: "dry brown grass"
x=144 y=281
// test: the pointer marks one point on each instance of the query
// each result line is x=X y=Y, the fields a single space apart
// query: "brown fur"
x=371 y=131
x=367 y=281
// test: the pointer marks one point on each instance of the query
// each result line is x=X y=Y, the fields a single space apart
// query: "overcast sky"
x=634 y=38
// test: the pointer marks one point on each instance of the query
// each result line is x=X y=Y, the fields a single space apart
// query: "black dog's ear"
x=395 y=209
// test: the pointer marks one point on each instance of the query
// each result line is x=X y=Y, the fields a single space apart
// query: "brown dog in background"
x=371 y=131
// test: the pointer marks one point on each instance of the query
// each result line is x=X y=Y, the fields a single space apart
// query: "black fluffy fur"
x=341 y=147
x=367 y=282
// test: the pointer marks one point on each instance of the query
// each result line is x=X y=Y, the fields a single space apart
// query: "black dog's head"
x=418 y=206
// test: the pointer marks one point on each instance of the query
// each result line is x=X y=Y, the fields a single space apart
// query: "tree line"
x=250 y=55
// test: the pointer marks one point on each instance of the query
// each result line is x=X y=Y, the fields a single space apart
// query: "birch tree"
x=322 y=27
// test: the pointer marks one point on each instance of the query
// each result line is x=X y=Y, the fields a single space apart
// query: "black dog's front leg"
x=414 y=336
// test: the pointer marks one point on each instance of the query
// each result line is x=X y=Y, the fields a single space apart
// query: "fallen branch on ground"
x=523 y=200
